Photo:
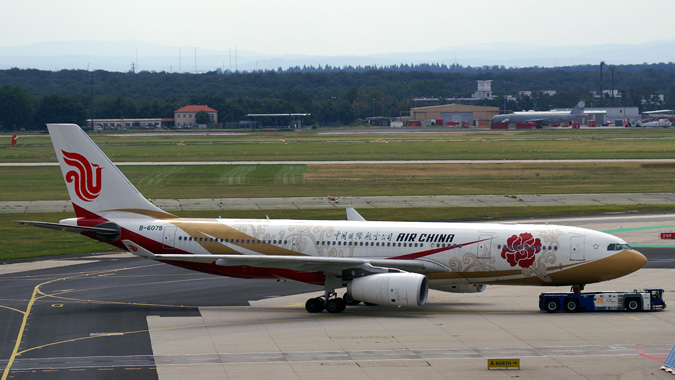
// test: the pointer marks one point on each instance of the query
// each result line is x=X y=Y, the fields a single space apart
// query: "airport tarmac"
x=506 y=200
x=118 y=316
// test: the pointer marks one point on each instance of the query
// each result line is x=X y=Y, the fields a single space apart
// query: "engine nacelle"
x=461 y=288
x=395 y=289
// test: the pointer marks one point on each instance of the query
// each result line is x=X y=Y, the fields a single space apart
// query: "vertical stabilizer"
x=94 y=183
x=579 y=108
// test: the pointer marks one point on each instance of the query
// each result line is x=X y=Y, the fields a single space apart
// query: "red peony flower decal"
x=521 y=250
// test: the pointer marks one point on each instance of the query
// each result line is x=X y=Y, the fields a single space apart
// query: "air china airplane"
x=384 y=263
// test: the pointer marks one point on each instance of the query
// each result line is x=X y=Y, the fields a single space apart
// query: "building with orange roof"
x=186 y=117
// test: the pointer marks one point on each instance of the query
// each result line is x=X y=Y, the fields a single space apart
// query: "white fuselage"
x=534 y=116
x=478 y=253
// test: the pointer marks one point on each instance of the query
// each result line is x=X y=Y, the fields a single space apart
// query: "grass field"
x=157 y=182
x=577 y=144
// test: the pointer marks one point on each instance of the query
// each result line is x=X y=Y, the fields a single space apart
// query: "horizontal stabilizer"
x=70 y=228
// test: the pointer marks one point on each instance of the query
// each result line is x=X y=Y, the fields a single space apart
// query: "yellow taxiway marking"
x=20 y=336
x=630 y=316
x=38 y=294
x=12 y=309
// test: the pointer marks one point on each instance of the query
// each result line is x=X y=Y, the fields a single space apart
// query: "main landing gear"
x=330 y=301
x=318 y=304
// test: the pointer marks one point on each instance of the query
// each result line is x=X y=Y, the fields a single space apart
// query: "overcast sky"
x=338 y=27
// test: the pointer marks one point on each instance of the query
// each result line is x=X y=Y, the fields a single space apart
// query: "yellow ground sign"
x=503 y=363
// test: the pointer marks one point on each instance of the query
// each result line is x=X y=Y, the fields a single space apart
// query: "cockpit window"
x=618 y=247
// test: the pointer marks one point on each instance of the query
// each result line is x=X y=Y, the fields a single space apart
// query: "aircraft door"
x=169 y=237
x=484 y=246
x=577 y=252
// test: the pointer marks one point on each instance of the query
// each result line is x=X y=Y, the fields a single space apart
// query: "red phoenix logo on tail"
x=86 y=177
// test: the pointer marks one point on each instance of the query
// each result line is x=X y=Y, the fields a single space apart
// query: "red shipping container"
x=524 y=126
x=499 y=126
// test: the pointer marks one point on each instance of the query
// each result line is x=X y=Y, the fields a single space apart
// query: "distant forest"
x=333 y=96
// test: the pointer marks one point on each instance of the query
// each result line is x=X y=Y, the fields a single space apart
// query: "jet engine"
x=395 y=289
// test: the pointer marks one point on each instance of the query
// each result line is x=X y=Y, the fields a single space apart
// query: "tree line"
x=30 y=98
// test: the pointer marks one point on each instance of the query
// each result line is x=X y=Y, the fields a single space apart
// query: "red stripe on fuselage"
x=417 y=255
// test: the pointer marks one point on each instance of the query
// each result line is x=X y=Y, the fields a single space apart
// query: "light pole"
x=602 y=63
x=612 y=69
x=358 y=108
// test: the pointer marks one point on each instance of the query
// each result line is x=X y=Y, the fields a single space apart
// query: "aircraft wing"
x=331 y=265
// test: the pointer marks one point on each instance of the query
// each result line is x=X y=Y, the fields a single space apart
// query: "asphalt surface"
x=509 y=200
x=89 y=319
x=344 y=162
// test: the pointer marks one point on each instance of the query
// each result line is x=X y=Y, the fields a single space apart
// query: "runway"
x=118 y=316
x=364 y=202
x=347 y=162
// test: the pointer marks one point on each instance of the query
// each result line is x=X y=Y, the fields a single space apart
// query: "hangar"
x=454 y=114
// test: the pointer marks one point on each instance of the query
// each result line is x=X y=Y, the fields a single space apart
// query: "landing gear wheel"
x=314 y=305
x=350 y=300
x=336 y=305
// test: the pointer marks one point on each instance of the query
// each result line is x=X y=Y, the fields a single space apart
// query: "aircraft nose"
x=630 y=260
